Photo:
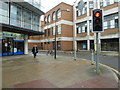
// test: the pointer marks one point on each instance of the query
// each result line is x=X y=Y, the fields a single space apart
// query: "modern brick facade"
x=75 y=26
x=63 y=20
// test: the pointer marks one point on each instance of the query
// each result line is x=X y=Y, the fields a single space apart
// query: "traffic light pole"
x=97 y=6
x=97 y=53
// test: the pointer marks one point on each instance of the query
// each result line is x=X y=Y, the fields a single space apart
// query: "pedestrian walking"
x=35 y=50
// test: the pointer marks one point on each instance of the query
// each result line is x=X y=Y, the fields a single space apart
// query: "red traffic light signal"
x=97 y=20
x=97 y=14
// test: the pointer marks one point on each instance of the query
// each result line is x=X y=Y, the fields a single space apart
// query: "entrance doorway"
x=7 y=46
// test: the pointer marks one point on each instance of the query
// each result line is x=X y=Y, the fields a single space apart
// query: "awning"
x=14 y=29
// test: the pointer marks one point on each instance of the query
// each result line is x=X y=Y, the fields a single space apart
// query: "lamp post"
x=67 y=10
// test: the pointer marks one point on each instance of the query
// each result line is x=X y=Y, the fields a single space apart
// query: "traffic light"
x=97 y=20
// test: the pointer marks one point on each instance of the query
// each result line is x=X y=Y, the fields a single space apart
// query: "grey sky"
x=49 y=4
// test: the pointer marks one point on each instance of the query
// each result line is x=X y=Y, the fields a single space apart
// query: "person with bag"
x=35 y=50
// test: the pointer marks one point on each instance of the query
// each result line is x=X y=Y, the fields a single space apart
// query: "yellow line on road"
x=111 y=68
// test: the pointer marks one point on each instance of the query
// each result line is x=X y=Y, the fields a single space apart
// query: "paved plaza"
x=45 y=72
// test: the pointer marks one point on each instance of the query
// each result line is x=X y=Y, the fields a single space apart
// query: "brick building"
x=59 y=18
x=76 y=26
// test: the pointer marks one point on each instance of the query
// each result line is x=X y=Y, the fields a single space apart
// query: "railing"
x=19 y=23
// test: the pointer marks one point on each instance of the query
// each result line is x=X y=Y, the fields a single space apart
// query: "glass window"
x=35 y=22
x=111 y=1
x=83 y=29
x=105 y=3
x=59 y=29
x=45 y=19
x=4 y=12
x=54 y=16
x=105 y=25
x=112 y=24
x=48 y=19
x=53 y=30
x=79 y=29
x=116 y=23
x=91 y=4
x=27 y=18
x=90 y=27
x=116 y=1
x=49 y=32
x=15 y=17
x=59 y=14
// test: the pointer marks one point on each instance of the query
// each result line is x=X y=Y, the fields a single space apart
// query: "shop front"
x=12 y=44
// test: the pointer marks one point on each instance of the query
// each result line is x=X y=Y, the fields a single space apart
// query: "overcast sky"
x=49 y=4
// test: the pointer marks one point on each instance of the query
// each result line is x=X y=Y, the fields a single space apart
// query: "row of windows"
x=19 y=16
x=58 y=29
x=53 y=44
x=105 y=3
x=109 y=24
x=55 y=15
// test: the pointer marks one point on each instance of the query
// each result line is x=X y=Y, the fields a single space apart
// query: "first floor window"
x=105 y=25
x=112 y=24
x=59 y=29
x=116 y=23
x=53 y=30
x=83 y=29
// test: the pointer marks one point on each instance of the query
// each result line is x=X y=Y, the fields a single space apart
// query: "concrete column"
x=26 y=44
x=88 y=22
x=74 y=31
x=88 y=45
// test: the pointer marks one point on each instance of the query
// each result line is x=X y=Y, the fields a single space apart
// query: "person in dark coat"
x=35 y=50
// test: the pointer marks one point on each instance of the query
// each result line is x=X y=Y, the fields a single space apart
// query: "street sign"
x=97 y=20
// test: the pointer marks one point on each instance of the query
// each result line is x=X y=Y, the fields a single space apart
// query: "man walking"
x=35 y=50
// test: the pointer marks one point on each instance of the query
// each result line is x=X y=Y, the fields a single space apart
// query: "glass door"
x=7 y=46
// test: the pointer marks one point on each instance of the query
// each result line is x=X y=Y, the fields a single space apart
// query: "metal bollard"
x=92 y=60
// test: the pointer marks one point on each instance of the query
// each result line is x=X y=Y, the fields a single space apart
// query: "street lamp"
x=67 y=10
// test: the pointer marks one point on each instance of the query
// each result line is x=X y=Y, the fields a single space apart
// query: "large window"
x=48 y=18
x=54 y=16
x=45 y=20
x=111 y=21
x=49 y=32
x=105 y=3
x=27 y=18
x=53 y=30
x=90 y=4
x=15 y=15
x=35 y=22
x=4 y=12
x=19 y=16
x=58 y=13
x=59 y=29
x=82 y=27
x=79 y=30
